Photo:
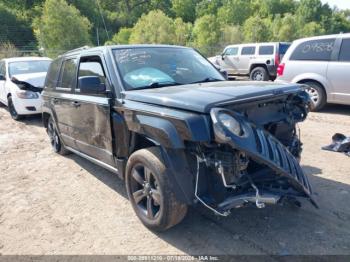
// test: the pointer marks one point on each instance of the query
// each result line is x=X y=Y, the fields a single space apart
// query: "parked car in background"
x=322 y=63
x=164 y=119
x=21 y=82
x=259 y=61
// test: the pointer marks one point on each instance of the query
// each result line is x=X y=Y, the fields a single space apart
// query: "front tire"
x=259 y=74
x=149 y=191
x=12 y=110
x=55 y=140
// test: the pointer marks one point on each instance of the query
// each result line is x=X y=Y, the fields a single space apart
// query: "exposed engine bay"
x=255 y=156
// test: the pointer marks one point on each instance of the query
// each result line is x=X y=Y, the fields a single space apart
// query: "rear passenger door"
x=61 y=100
x=338 y=74
x=92 y=114
x=247 y=54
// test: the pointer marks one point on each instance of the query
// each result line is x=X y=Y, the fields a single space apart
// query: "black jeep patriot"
x=165 y=120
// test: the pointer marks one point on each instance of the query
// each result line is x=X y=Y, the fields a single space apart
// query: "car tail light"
x=280 y=69
x=277 y=60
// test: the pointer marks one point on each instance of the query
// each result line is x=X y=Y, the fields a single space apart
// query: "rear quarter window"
x=266 y=50
x=314 y=50
x=248 y=50
x=344 y=54
x=52 y=74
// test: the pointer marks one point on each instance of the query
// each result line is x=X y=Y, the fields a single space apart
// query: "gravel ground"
x=51 y=204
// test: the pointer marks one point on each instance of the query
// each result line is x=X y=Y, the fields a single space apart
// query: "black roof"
x=103 y=48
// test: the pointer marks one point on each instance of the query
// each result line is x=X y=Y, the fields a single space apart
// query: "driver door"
x=229 y=60
x=92 y=112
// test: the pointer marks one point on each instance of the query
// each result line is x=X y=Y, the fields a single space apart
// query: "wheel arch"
x=253 y=66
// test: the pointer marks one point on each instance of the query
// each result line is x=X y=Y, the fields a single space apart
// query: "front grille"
x=280 y=159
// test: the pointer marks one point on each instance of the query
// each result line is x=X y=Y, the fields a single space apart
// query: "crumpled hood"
x=202 y=97
x=35 y=79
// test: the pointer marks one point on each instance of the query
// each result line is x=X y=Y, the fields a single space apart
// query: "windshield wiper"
x=206 y=80
x=158 y=85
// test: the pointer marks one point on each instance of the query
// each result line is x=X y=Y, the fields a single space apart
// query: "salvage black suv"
x=166 y=120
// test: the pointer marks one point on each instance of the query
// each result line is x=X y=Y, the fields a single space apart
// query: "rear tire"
x=317 y=94
x=55 y=140
x=149 y=190
x=12 y=110
x=259 y=74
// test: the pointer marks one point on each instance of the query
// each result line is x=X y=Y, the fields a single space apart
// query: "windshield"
x=150 y=67
x=28 y=67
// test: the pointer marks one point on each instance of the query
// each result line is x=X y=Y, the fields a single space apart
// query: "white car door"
x=2 y=82
x=230 y=59
x=247 y=54
x=338 y=75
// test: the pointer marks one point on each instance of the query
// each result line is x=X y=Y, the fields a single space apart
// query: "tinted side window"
x=92 y=66
x=266 y=50
x=248 y=50
x=231 y=51
x=345 y=51
x=68 y=74
x=318 y=50
x=52 y=74
x=283 y=48
x=2 y=68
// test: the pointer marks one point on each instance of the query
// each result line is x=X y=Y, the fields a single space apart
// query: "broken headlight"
x=224 y=122
x=24 y=94
x=230 y=123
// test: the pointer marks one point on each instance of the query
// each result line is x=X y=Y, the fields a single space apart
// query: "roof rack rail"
x=77 y=49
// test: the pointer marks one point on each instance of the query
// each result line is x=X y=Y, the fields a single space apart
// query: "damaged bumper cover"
x=264 y=149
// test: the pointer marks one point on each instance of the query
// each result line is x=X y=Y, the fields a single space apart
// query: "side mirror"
x=224 y=73
x=91 y=85
x=2 y=78
x=222 y=56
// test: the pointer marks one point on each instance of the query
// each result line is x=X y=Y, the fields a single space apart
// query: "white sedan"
x=21 y=82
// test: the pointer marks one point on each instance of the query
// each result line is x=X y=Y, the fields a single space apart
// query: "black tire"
x=259 y=74
x=55 y=140
x=149 y=191
x=317 y=94
x=12 y=110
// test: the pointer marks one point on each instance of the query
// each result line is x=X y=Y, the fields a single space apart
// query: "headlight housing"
x=225 y=122
x=230 y=123
x=25 y=94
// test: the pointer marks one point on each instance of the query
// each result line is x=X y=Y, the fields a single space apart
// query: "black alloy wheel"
x=145 y=191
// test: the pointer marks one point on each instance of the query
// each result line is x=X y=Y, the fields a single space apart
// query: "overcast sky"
x=342 y=4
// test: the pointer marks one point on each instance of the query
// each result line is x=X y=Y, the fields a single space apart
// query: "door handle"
x=55 y=101
x=75 y=104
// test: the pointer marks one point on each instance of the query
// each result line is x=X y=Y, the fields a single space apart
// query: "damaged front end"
x=255 y=156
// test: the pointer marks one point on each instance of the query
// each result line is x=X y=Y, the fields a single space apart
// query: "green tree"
x=186 y=9
x=183 y=32
x=235 y=11
x=206 y=33
x=311 y=29
x=284 y=28
x=153 y=28
x=61 y=27
x=122 y=37
x=230 y=34
x=15 y=29
x=257 y=29
x=208 y=7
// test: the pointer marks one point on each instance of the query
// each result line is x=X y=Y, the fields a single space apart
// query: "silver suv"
x=259 y=61
x=323 y=63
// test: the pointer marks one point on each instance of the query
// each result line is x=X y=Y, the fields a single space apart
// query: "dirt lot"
x=51 y=204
